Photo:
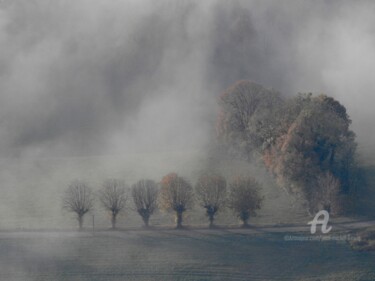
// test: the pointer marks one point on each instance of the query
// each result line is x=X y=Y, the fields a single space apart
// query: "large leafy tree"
x=301 y=139
x=247 y=120
x=317 y=142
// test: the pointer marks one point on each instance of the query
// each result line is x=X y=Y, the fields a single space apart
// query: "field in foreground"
x=177 y=255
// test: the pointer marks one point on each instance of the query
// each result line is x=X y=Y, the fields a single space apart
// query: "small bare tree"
x=211 y=190
x=78 y=199
x=176 y=195
x=145 y=195
x=113 y=197
x=327 y=194
x=244 y=198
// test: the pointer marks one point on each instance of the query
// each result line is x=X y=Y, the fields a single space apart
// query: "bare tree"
x=78 y=199
x=244 y=198
x=145 y=195
x=113 y=197
x=211 y=190
x=327 y=194
x=176 y=195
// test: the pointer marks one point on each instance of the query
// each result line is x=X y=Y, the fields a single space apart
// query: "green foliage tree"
x=244 y=198
x=211 y=193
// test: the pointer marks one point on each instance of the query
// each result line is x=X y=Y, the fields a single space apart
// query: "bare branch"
x=211 y=192
x=113 y=197
x=145 y=195
x=176 y=195
x=244 y=197
x=78 y=199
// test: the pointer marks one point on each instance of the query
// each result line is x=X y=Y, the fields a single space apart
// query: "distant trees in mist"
x=173 y=194
x=301 y=140
x=305 y=142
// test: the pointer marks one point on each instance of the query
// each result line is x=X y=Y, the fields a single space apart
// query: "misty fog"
x=128 y=89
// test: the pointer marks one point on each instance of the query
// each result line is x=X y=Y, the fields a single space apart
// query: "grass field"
x=177 y=255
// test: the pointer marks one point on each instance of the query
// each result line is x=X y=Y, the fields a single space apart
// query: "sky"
x=106 y=77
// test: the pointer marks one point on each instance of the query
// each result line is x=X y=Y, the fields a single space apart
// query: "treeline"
x=305 y=141
x=174 y=194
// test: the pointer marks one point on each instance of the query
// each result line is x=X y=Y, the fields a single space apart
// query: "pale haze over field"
x=110 y=78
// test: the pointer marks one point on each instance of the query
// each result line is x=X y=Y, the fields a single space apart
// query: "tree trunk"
x=80 y=222
x=179 y=219
x=113 y=221
x=211 y=219
x=244 y=216
x=145 y=220
x=244 y=223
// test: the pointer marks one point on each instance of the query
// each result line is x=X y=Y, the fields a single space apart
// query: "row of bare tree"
x=174 y=194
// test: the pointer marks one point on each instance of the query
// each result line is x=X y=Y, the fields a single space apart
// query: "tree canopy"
x=176 y=194
x=300 y=139
x=244 y=197
x=211 y=191
x=145 y=195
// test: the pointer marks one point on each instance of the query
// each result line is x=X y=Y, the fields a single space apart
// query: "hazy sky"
x=93 y=77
